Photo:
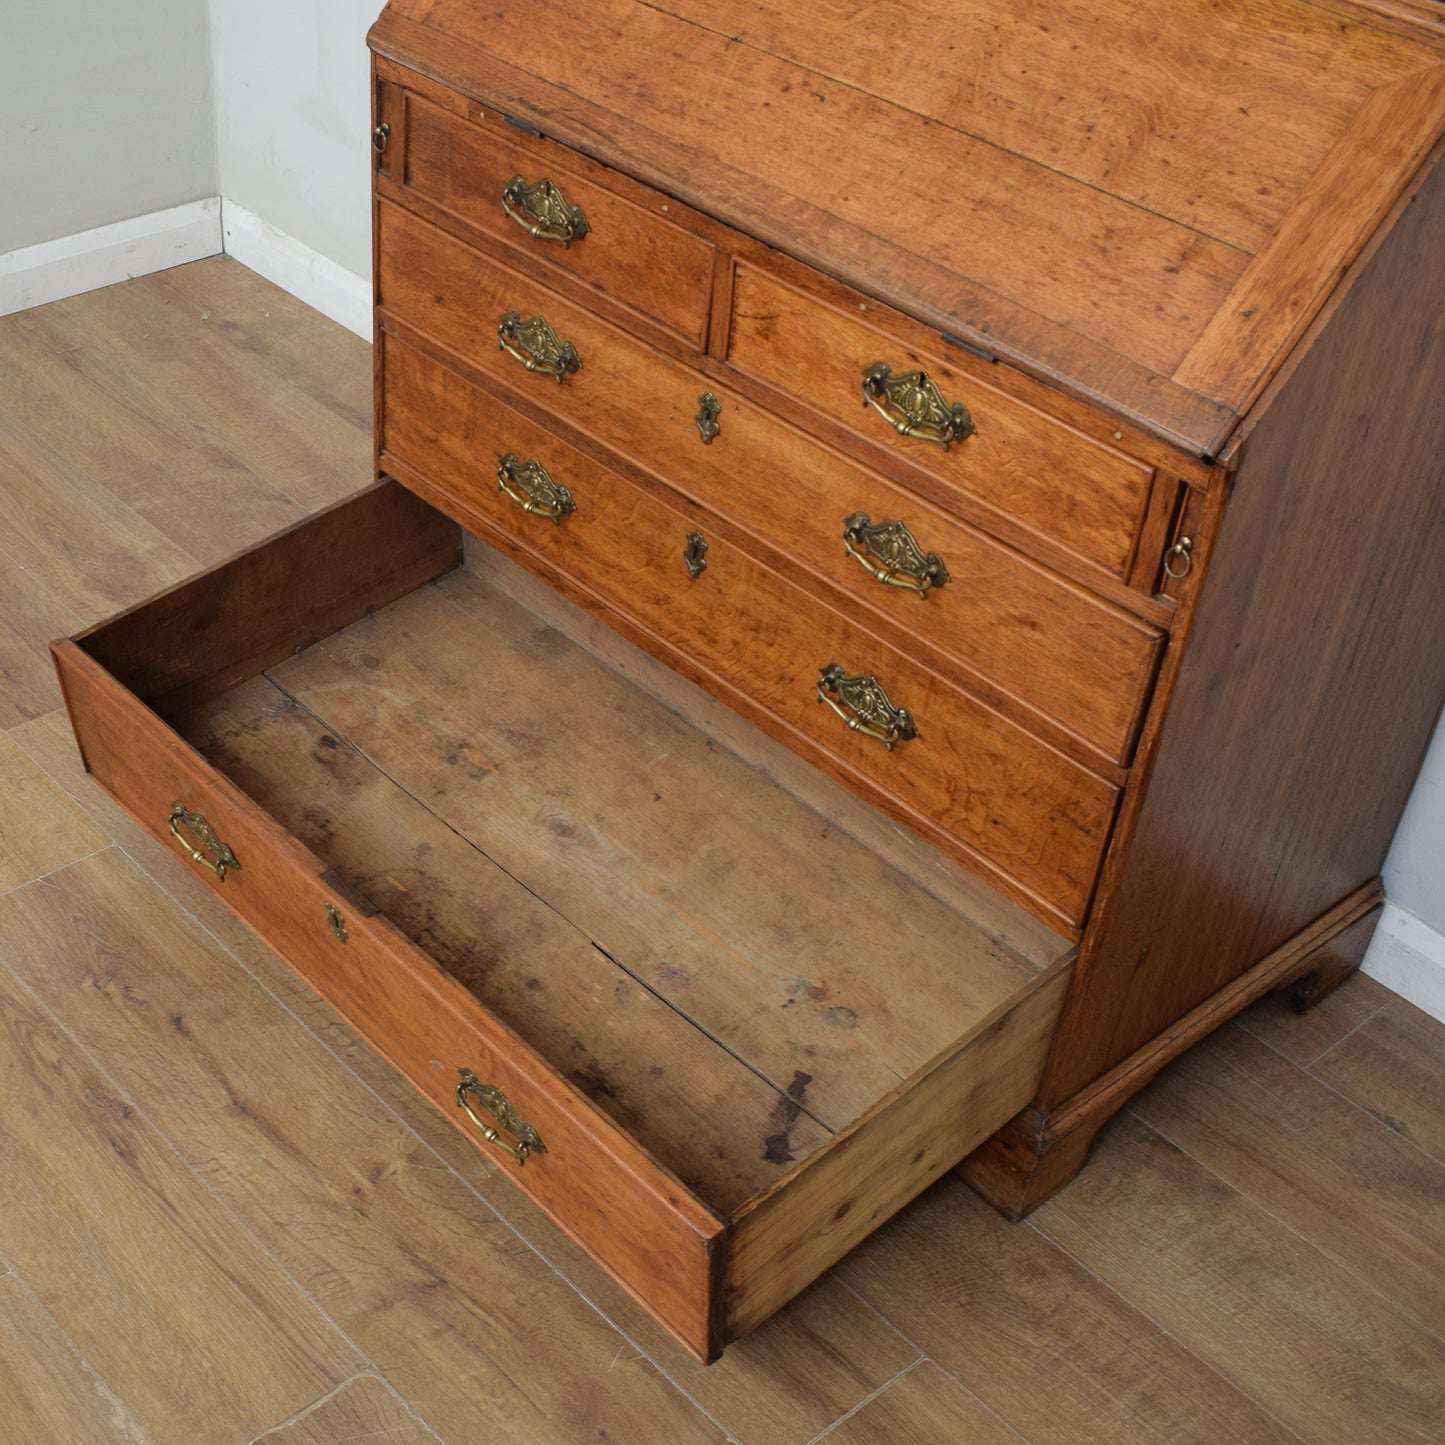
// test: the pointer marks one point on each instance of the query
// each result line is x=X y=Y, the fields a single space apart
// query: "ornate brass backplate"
x=496 y=1103
x=913 y=406
x=695 y=555
x=894 y=557
x=216 y=855
x=541 y=210
x=864 y=706
x=536 y=345
x=708 y=412
x=530 y=485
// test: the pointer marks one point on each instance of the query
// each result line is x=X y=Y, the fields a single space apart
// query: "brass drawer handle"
x=864 y=706
x=914 y=407
x=540 y=210
x=220 y=859
x=900 y=561
x=1183 y=549
x=496 y=1103
x=530 y=485
x=536 y=346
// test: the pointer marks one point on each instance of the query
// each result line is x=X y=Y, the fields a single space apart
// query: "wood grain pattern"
x=1026 y=815
x=41 y=829
x=473 y=1330
x=635 y=1217
x=632 y=252
x=1273 y=89
x=1096 y=239
x=364 y=1407
x=923 y=1404
x=644 y=852
x=930 y=1122
x=1222 y=1257
x=47 y=1391
x=86 y=548
x=1240 y=1110
x=261 y=605
x=1304 y=1038
x=1036 y=471
x=685 y=1099
x=132 y=1257
x=1390 y=1067
x=1333 y=216
x=1044 y=647
x=396 y=1247
x=1295 y=692
x=1043 y=1341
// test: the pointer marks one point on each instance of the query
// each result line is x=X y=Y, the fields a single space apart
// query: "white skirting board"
x=88 y=260
x=1408 y=957
x=293 y=266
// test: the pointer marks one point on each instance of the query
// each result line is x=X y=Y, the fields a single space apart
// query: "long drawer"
x=1019 y=811
x=434 y=808
x=1001 y=624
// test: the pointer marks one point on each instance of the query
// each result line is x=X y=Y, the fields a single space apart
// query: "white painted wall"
x=105 y=114
x=293 y=119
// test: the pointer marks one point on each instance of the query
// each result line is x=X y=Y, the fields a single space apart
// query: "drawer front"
x=634 y=1217
x=1054 y=647
x=1017 y=809
x=631 y=252
x=1019 y=461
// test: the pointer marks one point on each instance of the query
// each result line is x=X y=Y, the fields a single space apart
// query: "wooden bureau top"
x=1144 y=200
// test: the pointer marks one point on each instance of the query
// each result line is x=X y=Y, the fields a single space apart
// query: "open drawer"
x=713 y=1035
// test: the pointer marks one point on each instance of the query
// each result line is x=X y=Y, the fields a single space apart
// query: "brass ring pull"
x=496 y=1103
x=914 y=407
x=536 y=346
x=540 y=210
x=381 y=138
x=220 y=860
x=1184 y=550
x=900 y=561
x=530 y=485
x=864 y=706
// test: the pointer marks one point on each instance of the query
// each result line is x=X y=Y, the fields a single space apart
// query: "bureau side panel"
x=1314 y=673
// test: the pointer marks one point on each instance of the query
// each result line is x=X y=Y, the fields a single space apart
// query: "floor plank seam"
x=330 y=1395
x=101 y=1384
x=60 y=868
x=581 y=1293
x=1032 y=1223
x=186 y=1168
x=1434 y=1330
x=865 y=1401
x=444 y=1164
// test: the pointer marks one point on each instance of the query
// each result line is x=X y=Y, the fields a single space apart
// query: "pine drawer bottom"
x=714 y=1036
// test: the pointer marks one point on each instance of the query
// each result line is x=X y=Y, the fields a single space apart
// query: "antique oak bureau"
x=950 y=609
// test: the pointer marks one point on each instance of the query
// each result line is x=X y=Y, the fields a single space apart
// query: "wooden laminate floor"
x=222 y=1220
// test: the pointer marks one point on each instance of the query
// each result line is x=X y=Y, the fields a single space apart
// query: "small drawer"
x=1057 y=649
x=1010 y=806
x=626 y=248
x=514 y=871
x=1037 y=470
